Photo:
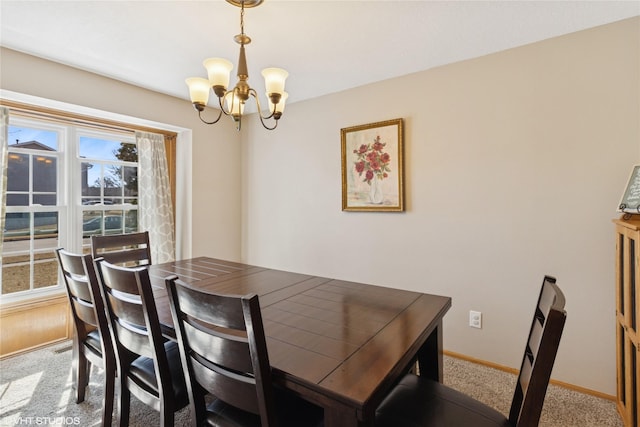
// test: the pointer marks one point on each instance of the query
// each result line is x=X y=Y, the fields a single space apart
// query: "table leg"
x=430 y=361
x=334 y=417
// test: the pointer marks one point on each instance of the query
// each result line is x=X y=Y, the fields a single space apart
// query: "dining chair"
x=148 y=365
x=224 y=354
x=92 y=342
x=421 y=402
x=128 y=250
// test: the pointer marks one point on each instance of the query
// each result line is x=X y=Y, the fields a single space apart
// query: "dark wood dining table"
x=339 y=344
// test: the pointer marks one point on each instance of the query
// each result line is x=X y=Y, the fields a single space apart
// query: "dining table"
x=339 y=344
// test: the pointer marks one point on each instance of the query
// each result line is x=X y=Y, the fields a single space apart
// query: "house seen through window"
x=64 y=184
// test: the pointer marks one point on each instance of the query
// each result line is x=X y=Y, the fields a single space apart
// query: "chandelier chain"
x=242 y=18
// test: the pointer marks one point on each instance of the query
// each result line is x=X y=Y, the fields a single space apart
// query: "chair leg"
x=80 y=366
x=123 y=403
x=166 y=415
x=109 y=394
x=197 y=406
x=87 y=372
x=75 y=365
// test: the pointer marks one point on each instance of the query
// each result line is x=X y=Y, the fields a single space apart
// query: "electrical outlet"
x=475 y=319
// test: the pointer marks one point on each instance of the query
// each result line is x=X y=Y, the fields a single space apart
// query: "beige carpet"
x=35 y=389
x=562 y=407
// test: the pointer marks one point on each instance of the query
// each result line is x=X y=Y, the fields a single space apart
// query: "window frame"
x=60 y=207
x=27 y=107
x=69 y=196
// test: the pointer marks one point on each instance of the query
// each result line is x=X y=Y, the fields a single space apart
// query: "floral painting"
x=372 y=176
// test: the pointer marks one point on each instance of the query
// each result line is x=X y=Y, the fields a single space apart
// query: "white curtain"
x=155 y=213
x=4 y=158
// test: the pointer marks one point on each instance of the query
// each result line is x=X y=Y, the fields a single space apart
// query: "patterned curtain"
x=154 y=195
x=4 y=158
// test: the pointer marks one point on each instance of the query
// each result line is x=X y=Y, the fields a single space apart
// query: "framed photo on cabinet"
x=630 y=201
x=372 y=167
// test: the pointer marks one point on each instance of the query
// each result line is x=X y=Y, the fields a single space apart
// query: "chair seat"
x=291 y=412
x=142 y=369
x=421 y=402
x=94 y=342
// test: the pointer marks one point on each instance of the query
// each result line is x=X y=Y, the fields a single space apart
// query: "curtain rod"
x=35 y=111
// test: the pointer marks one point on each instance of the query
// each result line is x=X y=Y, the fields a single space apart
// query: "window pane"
x=113 y=201
x=113 y=222
x=91 y=223
x=131 y=221
x=16 y=272
x=101 y=149
x=17 y=227
x=45 y=226
x=130 y=181
x=45 y=269
x=44 y=174
x=113 y=181
x=127 y=152
x=45 y=199
x=90 y=178
x=18 y=172
x=17 y=200
x=32 y=138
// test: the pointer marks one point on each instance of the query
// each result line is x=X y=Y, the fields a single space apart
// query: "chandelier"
x=219 y=69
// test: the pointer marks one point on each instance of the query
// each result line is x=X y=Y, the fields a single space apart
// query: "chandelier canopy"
x=219 y=69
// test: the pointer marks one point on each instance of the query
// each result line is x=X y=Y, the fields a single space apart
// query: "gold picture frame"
x=372 y=167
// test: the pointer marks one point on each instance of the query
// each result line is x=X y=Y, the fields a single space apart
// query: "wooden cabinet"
x=628 y=318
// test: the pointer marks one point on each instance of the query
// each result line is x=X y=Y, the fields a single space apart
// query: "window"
x=64 y=184
x=109 y=185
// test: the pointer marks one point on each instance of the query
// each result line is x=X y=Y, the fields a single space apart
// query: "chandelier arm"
x=221 y=104
x=253 y=93
x=209 y=123
x=275 y=124
x=262 y=119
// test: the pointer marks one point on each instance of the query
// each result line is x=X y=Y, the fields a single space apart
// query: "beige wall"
x=515 y=163
x=211 y=170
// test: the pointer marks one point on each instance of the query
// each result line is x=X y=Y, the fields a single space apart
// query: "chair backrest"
x=223 y=349
x=133 y=318
x=83 y=290
x=123 y=249
x=540 y=353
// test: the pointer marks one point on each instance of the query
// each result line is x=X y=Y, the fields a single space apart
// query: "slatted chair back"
x=82 y=288
x=137 y=332
x=425 y=402
x=223 y=350
x=123 y=249
x=539 y=357
x=92 y=339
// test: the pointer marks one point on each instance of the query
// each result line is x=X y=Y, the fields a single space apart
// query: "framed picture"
x=372 y=175
x=630 y=201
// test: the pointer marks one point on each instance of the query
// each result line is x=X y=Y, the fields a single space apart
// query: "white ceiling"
x=326 y=46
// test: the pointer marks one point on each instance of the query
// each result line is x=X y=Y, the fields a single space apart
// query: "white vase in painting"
x=375 y=192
